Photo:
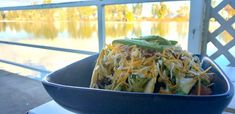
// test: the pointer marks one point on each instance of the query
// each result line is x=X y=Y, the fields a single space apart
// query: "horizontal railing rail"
x=50 y=48
x=24 y=66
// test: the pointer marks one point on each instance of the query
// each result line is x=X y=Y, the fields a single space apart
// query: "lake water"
x=73 y=35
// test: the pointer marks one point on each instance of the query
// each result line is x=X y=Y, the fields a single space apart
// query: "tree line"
x=159 y=11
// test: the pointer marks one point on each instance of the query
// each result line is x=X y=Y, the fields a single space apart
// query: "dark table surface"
x=19 y=94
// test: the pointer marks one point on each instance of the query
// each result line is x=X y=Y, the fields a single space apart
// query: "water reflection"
x=55 y=31
x=50 y=30
x=117 y=29
x=161 y=28
x=85 y=29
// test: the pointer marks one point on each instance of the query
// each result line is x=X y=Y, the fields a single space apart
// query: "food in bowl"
x=150 y=64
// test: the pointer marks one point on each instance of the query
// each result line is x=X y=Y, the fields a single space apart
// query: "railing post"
x=101 y=26
x=197 y=39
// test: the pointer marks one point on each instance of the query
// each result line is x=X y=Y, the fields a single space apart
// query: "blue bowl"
x=69 y=87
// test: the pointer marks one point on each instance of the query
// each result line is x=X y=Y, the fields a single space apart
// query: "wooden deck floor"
x=19 y=94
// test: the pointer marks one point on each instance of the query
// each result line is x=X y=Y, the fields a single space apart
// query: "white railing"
x=195 y=40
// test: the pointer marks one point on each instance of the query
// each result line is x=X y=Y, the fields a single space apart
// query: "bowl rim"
x=227 y=93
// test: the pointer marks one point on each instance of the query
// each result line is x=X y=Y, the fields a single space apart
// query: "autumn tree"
x=117 y=13
x=154 y=10
x=163 y=11
x=230 y=11
x=160 y=10
x=86 y=12
x=47 y=1
x=1 y=15
x=183 y=12
x=137 y=10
